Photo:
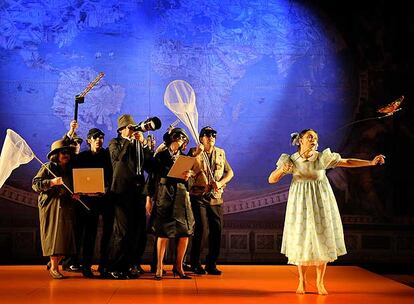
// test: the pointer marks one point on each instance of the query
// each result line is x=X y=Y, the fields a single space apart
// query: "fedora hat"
x=59 y=145
x=125 y=120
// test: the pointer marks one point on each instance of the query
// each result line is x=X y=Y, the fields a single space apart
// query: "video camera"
x=150 y=124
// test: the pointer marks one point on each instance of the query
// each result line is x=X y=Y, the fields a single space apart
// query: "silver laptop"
x=88 y=180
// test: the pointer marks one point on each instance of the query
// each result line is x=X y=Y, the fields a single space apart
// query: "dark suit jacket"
x=124 y=163
x=86 y=159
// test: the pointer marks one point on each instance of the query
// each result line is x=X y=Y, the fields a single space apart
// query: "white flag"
x=15 y=152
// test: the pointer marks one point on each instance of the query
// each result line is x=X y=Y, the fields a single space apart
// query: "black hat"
x=207 y=130
x=95 y=132
x=173 y=133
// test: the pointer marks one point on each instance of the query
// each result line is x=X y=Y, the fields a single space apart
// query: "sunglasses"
x=210 y=134
x=65 y=152
x=180 y=136
x=98 y=136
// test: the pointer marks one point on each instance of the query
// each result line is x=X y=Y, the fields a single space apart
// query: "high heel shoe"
x=158 y=276
x=182 y=276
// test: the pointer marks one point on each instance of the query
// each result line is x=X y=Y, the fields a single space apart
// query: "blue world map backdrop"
x=260 y=70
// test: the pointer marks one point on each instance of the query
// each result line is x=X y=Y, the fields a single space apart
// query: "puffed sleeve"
x=283 y=159
x=329 y=159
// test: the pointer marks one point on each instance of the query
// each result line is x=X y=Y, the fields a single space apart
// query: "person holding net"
x=212 y=173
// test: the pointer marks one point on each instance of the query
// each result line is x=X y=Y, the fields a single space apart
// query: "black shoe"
x=182 y=276
x=136 y=270
x=140 y=269
x=198 y=270
x=130 y=276
x=87 y=273
x=72 y=268
x=212 y=270
x=114 y=275
x=154 y=270
x=187 y=267
x=158 y=275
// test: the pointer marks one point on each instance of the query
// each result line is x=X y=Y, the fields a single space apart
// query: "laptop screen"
x=88 y=180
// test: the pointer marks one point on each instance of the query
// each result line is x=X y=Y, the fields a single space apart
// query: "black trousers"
x=79 y=226
x=100 y=206
x=209 y=217
x=129 y=236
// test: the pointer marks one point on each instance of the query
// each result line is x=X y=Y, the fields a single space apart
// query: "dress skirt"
x=174 y=217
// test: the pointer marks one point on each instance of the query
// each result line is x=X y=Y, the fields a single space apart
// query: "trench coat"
x=56 y=212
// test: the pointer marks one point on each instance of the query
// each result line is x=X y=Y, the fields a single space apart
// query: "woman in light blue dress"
x=313 y=234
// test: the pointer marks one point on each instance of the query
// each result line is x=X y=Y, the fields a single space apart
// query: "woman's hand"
x=287 y=167
x=378 y=160
x=57 y=181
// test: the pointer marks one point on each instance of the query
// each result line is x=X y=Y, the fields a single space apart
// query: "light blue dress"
x=312 y=233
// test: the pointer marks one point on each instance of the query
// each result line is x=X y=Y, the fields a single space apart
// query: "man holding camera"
x=212 y=173
x=130 y=156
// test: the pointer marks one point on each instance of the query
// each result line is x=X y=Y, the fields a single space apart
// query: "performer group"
x=141 y=197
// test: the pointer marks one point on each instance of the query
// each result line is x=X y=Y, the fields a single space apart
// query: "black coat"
x=172 y=216
x=86 y=159
x=124 y=164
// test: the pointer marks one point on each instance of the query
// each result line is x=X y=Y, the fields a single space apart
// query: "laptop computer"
x=88 y=180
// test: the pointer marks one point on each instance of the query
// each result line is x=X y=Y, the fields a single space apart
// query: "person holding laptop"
x=101 y=204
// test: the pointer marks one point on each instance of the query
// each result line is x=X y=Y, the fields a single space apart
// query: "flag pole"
x=64 y=185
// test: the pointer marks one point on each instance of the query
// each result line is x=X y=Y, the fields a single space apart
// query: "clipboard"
x=182 y=164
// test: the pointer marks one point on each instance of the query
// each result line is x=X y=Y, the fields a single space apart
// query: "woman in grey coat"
x=56 y=206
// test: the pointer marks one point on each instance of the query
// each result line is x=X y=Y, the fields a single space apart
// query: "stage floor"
x=238 y=284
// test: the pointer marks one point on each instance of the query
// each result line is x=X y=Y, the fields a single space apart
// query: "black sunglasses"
x=210 y=134
x=179 y=136
x=66 y=152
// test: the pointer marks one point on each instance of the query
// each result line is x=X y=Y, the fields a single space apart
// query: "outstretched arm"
x=277 y=174
x=355 y=162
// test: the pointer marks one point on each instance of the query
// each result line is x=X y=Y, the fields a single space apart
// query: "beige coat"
x=200 y=184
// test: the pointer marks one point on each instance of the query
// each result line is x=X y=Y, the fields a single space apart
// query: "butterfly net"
x=180 y=98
